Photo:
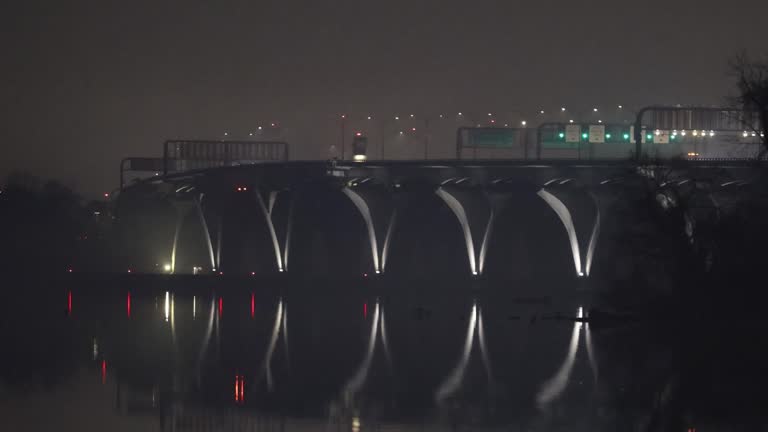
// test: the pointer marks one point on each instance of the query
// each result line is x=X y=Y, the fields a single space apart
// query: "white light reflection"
x=280 y=323
x=590 y=350
x=194 y=307
x=355 y=383
x=553 y=387
x=453 y=381
x=167 y=307
x=206 y=338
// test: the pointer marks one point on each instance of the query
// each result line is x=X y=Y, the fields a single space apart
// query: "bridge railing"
x=185 y=155
x=710 y=132
x=138 y=165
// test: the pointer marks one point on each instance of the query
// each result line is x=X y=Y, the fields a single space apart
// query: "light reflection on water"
x=357 y=372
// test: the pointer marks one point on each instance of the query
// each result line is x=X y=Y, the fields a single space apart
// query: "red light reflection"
x=221 y=306
x=69 y=302
x=253 y=305
x=128 y=304
x=103 y=371
x=239 y=388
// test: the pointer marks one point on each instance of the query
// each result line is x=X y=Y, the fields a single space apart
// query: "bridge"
x=265 y=206
x=380 y=198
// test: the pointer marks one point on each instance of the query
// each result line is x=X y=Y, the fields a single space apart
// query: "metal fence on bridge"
x=185 y=155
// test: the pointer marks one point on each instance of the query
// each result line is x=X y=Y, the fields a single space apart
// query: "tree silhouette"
x=751 y=77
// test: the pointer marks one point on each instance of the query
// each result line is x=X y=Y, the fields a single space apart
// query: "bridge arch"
x=578 y=210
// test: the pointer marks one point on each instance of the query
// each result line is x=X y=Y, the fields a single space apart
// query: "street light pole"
x=426 y=138
x=343 y=132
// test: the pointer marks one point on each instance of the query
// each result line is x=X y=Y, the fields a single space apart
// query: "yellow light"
x=167 y=267
x=360 y=158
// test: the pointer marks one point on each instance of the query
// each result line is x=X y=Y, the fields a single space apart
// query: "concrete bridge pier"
x=183 y=208
x=475 y=213
x=277 y=207
x=379 y=211
x=579 y=211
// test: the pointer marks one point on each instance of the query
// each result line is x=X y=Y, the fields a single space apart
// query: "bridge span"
x=382 y=199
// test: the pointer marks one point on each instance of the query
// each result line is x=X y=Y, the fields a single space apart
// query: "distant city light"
x=167 y=267
x=401 y=132
x=561 y=135
x=273 y=125
x=608 y=136
x=250 y=134
x=441 y=116
x=411 y=115
x=649 y=137
x=369 y=117
x=356 y=158
x=523 y=123
x=599 y=121
x=460 y=114
x=695 y=133
x=541 y=112
x=343 y=116
x=562 y=109
x=570 y=121
x=682 y=132
x=259 y=127
x=397 y=118
x=358 y=134
x=711 y=133
x=621 y=106
x=746 y=134
x=413 y=129
x=226 y=133
x=626 y=136
x=594 y=109
x=657 y=132
x=585 y=135
x=489 y=114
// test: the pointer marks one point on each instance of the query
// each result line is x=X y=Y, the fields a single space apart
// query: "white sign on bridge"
x=572 y=133
x=597 y=134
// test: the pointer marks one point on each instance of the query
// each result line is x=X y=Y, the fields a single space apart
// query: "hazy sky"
x=87 y=83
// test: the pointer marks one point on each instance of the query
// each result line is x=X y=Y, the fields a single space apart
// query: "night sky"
x=87 y=83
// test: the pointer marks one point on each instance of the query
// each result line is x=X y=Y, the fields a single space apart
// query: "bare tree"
x=751 y=77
